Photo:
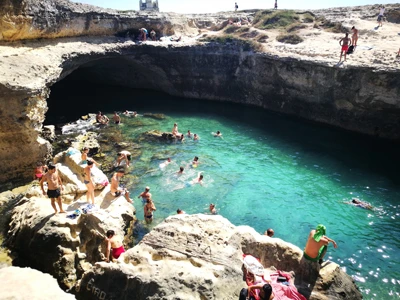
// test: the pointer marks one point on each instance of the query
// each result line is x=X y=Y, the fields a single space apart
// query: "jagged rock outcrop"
x=200 y=257
x=26 y=283
x=65 y=247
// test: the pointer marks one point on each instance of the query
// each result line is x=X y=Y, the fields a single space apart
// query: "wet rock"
x=89 y=140
x=36 y=285
x=154 y=116
x=157 y=135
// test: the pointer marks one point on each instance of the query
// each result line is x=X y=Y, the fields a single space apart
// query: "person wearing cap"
x=317 y=244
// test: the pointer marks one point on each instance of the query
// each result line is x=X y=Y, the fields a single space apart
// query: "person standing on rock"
x=317 y=244
x=344 y=43
x=88 y=181
x=354 y=37
x=236 y=6
x=114 y=243
x=276 y=4
x=380 y=16
x=148 y=210
x=54 y=187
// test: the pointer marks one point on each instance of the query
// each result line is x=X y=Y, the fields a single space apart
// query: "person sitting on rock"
x=114 y=243
x=175 y=131
x=148 y=210
x=116 y=190
x=143 y=34
x=153 y=35
x=180 y=212
x=102 y=119
x=85 y=157
x=123 y=155
x=317 y=244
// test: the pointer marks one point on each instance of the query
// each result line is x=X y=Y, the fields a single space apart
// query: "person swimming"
x=212 y=209
x=357 y=202
x=195 y=162
x=218 y=134
x=196 y=137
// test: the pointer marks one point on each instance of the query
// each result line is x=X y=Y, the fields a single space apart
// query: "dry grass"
x=247 y=45
x=289 y=38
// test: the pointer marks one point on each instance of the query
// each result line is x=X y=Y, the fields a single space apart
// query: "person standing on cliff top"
x=236 y=6
x=54 y=187
x=344 y=43
x=276 y=4
x=380 y=16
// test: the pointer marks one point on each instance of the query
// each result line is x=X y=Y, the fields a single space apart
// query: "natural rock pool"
x=266 y=171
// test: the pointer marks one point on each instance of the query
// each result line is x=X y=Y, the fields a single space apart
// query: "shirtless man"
x=317 y=244
x=189 y=134
x=54 y=187
x=354 y=37
x=116 y=118
x=102 y=119
x=218 y=134
x=148 y=210
x=124 y=155
x=198 y=180
x=195 y=137
x=180 y=211
x=114 y=243
x=146 y=194
x=88 y=180
x=344 y=43
x=115 y=189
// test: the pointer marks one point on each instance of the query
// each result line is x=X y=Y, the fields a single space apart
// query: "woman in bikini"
x=354 y=37
x=85 y=157
x=88 y=181
x=148 y=210
x=39 y=171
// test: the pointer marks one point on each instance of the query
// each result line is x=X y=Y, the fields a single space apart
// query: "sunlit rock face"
x=358 y=98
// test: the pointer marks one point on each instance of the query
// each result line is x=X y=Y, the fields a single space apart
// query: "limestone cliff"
x=361 y=96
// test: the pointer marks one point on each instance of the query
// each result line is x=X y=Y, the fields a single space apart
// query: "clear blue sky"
x=207 y=6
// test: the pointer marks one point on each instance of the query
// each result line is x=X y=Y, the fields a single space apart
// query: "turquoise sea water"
x=272 y=171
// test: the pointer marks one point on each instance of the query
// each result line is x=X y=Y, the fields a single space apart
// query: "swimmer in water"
x=195 y=162
x=357 y=202
x=116 y=118
x=197 y=180
x=146 y=194
x=148 y=210
x=195 y=137
x=218 y=134
x=212 y=209
x=189 y=134
x=181 y=138
x=180 y=172
x=165 y=163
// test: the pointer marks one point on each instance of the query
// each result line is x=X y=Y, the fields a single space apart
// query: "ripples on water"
x=271 y=171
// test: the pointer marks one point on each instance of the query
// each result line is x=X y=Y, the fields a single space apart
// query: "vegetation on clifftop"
x=247 y=45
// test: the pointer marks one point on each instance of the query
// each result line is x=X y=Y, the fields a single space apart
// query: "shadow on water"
x=71 y=99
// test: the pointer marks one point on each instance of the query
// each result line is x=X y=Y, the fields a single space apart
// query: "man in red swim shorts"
x=345 y=43
x=114 y=243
